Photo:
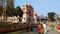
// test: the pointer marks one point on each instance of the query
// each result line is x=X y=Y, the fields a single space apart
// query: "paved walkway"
x=52 y=32
x=35 y=32
x=29 y=33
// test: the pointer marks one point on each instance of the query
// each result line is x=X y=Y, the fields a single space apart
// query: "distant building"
x=3 y=4
x=1 y=7
x=29 y=16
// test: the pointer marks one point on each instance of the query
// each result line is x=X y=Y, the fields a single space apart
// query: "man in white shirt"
x=45 y=27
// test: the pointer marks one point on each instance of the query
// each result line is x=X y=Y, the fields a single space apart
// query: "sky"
x=41 y=7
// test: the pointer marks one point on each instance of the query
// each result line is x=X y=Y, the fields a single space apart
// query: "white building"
x=29 y=16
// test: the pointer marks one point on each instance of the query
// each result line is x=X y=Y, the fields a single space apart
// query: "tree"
x=18 y=11
x=58 y=18
x=9 y=8
x=9 y=11
x=51 y=16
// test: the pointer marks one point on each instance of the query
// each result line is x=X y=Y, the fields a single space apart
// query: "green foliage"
x=7 y=24
x=4 y=24
x=16 y=32
x=18 y=11
x=51 y=16
x=58 y=18
x=9 y=8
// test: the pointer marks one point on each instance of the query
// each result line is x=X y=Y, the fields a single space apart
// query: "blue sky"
x=41 y=7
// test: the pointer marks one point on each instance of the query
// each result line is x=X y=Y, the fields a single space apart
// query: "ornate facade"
x=29 y=16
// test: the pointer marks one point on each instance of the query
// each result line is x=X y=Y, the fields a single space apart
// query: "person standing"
x=32 y=27
x=45 y=27
x=40 y=28
x=52 y=27
x=58 y=28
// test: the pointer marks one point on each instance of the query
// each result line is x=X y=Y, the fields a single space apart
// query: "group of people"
x=42 y=28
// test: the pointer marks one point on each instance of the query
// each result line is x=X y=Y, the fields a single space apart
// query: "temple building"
x=29 y=15
x=3 y=8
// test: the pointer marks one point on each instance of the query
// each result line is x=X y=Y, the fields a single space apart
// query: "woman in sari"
x=58 y=27
x=40 y=28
